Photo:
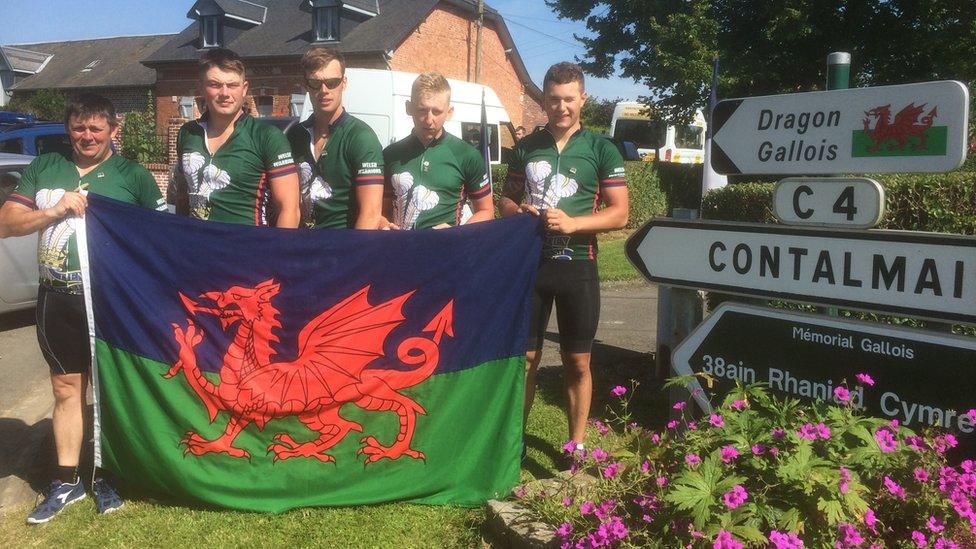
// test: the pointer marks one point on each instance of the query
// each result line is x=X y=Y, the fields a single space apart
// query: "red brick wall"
x=446 y=42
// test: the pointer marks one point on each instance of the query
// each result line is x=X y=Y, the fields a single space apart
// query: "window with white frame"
x=210 y=31
x=325 y=20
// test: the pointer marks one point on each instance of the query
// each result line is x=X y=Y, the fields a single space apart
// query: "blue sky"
x=540 y=38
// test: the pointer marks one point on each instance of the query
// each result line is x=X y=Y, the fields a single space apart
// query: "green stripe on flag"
x=936 y=139
x=471 y=436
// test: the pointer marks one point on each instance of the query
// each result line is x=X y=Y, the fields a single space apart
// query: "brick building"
x=107 y=66
x=403 y=35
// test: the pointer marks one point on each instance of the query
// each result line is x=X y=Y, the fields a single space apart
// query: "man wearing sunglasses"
x=232 y=167
x=339 y=158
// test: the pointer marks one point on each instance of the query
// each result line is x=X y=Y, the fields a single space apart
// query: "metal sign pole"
x=679 y=311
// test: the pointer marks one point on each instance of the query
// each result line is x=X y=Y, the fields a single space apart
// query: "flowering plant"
x=760 y=471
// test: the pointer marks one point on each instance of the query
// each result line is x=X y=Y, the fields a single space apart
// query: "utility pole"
x=477 y=47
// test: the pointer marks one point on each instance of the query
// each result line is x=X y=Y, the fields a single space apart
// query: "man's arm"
x=366 y=162
x=285 y=197
x=17 y=218
x=613 y=216
x=370 y=200
x=482 y=209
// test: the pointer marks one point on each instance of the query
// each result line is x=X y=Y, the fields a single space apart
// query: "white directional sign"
x=915 y=274
x=906 y=128
x=846 y=202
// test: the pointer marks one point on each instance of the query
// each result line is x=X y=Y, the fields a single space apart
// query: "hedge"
x=913 y=202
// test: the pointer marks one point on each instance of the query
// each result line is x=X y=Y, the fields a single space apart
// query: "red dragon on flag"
x=334 y=349
x=906 y=125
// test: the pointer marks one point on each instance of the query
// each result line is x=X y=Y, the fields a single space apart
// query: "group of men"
x=329 y=171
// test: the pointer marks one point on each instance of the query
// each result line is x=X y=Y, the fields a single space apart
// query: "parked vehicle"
x=9 y=118
x=378 y=98
x=18 y=255
x=35 y=138
x=656 y=140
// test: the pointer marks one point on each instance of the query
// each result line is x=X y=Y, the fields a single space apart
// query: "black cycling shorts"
x=574 y=287
x=62 y=331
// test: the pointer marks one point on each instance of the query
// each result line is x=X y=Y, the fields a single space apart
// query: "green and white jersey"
x=429 y=184
x=570 y=181
x=44 y=183
x=232 y=185
x=352 y=156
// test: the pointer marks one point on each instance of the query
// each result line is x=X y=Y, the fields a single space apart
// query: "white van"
x=378 y=98
x=654 y=139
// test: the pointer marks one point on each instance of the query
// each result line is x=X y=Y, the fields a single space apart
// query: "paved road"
x=626 y=335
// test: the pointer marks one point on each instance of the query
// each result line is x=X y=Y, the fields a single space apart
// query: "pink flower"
x=894 y=488
x=645 y=467
x=849 y=537
x=785 y=540
x=599 y=454
x=921 y=475
x=672 y=424
x=935 y=525
x=716 y=420
x=943 y=543
x=724 y=540
x=729 y=454
x=601 y=427
x=567 y=501
x=519 y=492
x=845 y=479
x=841 y=394
x=564 y=530
x=778 y=433
x=587 y=507
x=871 y=521
x=692 y=425
x=661 y=481
x=692 y=460
x=679 y=405
x=610 y=471
x=886 y=441
x=894 y=424
x=865 y=379
x=919 y=539
x=619 y=390
x=569 y=447
x=758 y=449
x=807 y=431
x=774 y=451
x=735 y=497
x=822 y=430
x=655 y=438
x=972 y=414
x=696 y=392
x=738 y=404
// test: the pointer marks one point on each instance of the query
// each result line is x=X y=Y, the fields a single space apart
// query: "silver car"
x=18 y=255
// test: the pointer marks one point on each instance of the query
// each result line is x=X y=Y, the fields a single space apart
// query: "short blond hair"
x=429 y=83
x=318 y=58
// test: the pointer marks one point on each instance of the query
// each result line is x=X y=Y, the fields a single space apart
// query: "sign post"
x=905 y=128
x=921 y=377
x=844 y=202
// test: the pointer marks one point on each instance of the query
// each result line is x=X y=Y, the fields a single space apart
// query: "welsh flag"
x=265 y=369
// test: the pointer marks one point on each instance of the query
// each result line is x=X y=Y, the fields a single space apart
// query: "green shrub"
x=43 y=104
x=681 y=184
x=913 y=202
x=139 y=139
x=760 y=471
x=646 y=198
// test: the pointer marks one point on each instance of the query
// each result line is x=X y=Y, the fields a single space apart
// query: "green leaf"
x=832 y=509
x=748 y=533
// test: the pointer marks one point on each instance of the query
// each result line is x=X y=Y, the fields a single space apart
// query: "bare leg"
x=532 y=359
x=579 y=391
x=69 y=417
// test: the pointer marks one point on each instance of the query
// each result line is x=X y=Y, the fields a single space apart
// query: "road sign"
x=914 y=274
x=906 y=128
x=921 y=378
x=845 y=202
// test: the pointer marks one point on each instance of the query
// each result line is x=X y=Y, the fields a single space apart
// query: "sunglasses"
x=330 y=83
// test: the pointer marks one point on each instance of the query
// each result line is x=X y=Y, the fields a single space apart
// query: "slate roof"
x=21 y=60
x=286 y=32
x=118 y=62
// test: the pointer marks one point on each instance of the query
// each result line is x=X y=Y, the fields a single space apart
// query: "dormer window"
x=210 y=31
x=325 y=20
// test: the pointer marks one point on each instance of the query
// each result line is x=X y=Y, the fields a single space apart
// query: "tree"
x=597 y=113
x=46 y=104
x=770 y=47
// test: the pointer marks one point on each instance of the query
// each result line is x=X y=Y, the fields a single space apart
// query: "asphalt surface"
x=628 y=320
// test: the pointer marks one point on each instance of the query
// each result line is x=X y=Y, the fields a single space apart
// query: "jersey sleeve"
x=26 y=190
x=147 y=190
x=477 y=183
x=388 y=156
x=276 y=153
x=365 y=158
x=515 y=179
x=611 y=166
x=176 y=187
